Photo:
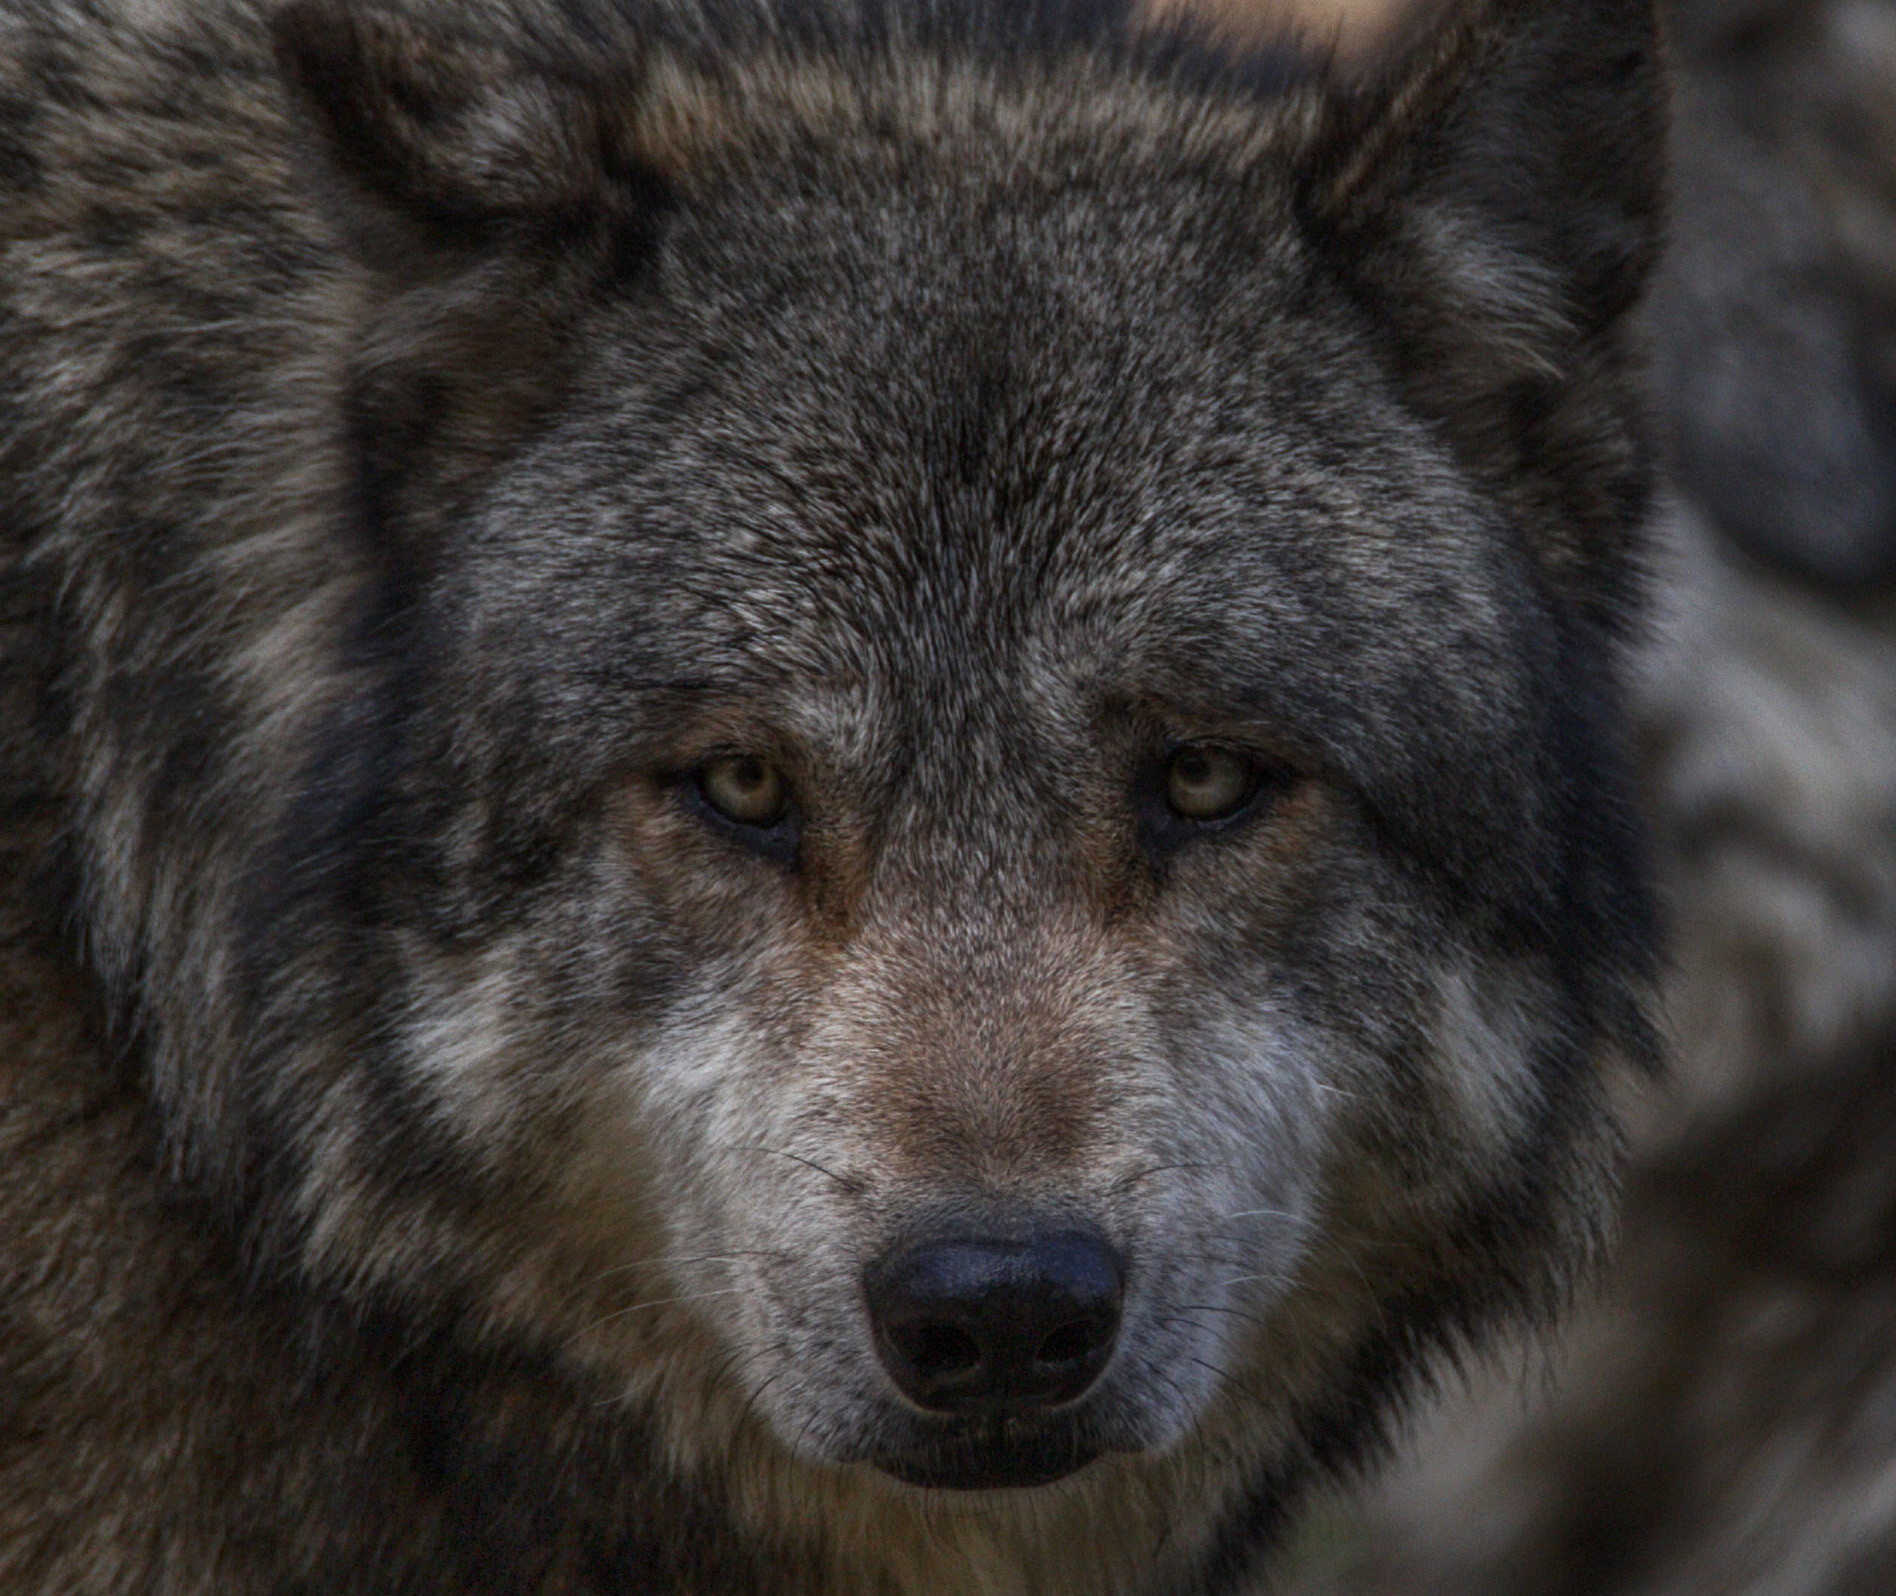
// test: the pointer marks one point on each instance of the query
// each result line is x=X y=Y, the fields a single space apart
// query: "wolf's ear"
x=490 y=188
x=438 y=143
x=1496 y=196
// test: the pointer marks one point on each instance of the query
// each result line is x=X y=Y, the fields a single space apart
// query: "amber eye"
x=745 y=789
x=1205 y=782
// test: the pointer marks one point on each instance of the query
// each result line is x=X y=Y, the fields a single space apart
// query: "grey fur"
x=438 y=1153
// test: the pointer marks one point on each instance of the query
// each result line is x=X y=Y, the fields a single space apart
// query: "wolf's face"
x=987 y=843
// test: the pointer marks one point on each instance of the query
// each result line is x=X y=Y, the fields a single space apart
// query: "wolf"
x=797 y=798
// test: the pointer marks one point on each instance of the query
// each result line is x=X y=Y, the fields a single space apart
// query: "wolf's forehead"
x=937 y=524
x=1282 y=608
x=1072 y=539
x=964 y=460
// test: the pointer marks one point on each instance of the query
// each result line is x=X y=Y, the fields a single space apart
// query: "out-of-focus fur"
x=1775 y=320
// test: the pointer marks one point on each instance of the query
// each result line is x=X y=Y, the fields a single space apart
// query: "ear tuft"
x=1530 y=127
x=447 y=138
x=1495 y=198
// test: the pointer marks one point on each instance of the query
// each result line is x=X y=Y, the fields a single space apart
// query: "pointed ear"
x=490 y=191
x=436 y=143
x=1495 y=197
x=1518 y=150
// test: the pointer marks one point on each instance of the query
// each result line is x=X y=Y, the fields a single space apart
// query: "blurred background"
x=1720 y=1414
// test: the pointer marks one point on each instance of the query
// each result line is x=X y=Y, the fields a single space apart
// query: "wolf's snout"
x=995 y=1326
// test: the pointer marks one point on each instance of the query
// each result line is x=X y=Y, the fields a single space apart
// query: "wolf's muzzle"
x=983 y=1327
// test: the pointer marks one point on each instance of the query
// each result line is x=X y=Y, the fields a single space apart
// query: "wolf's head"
x=980 y=820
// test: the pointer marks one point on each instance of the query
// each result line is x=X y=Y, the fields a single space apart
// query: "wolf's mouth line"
x=993 y=1458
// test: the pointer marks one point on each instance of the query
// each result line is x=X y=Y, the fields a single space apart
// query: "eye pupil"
x=1207 y=783
x=745 y=788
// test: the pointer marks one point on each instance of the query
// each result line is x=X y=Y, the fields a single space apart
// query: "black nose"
x=1001 y=1326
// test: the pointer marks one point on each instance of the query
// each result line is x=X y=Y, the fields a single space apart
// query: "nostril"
x=940 y=1351
x=1076 y=1341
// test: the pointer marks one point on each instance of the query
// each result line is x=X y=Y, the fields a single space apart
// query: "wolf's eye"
x=745 y=789
x=1205 y=782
